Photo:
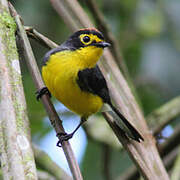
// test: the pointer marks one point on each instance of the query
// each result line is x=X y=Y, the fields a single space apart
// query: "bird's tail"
x=123 y=123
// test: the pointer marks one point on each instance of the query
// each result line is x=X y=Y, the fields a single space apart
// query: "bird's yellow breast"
x=60 y=77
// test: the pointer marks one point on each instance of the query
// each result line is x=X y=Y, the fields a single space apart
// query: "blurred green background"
x=149 y=36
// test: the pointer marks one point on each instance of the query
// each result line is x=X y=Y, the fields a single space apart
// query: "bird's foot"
x=63 y=137
x=41 y=92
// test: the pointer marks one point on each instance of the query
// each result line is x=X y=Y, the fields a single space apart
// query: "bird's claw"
x=63 y=137
x=41 y=92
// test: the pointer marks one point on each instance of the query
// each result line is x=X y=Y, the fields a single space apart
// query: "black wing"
x=92 y=80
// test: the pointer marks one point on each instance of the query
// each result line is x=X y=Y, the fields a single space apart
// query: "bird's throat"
x=89 y=55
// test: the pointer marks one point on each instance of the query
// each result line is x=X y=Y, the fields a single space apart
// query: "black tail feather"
x=136 y=135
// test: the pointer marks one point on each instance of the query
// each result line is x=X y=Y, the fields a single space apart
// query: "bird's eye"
x=86 y=39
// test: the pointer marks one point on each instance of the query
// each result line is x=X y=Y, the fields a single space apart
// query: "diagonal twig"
x=164 y=114
x=34 y=34
x=176 y=168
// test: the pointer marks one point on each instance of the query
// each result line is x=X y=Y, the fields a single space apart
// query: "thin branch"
x=164 y=114
x=53 y=116
x=34 y=34
x=44 y=162
x=17 y=160
x=176 y=169
x=61 y=10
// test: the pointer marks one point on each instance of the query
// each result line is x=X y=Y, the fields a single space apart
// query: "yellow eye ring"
x=85 y=39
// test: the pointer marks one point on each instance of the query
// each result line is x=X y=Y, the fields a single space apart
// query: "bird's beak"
x=102 y=44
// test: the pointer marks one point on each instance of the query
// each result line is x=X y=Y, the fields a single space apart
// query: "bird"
x=71 y=74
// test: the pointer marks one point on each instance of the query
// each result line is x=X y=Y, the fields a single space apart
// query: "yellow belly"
x=60 y=77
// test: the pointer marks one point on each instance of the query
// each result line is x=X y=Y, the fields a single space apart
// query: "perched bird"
x=71 y=75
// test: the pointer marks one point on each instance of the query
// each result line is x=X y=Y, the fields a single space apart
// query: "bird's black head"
x=89 y=42
x=86 y=37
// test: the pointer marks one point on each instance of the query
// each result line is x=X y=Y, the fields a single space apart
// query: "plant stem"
x=17 y=160
x=176 y=169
